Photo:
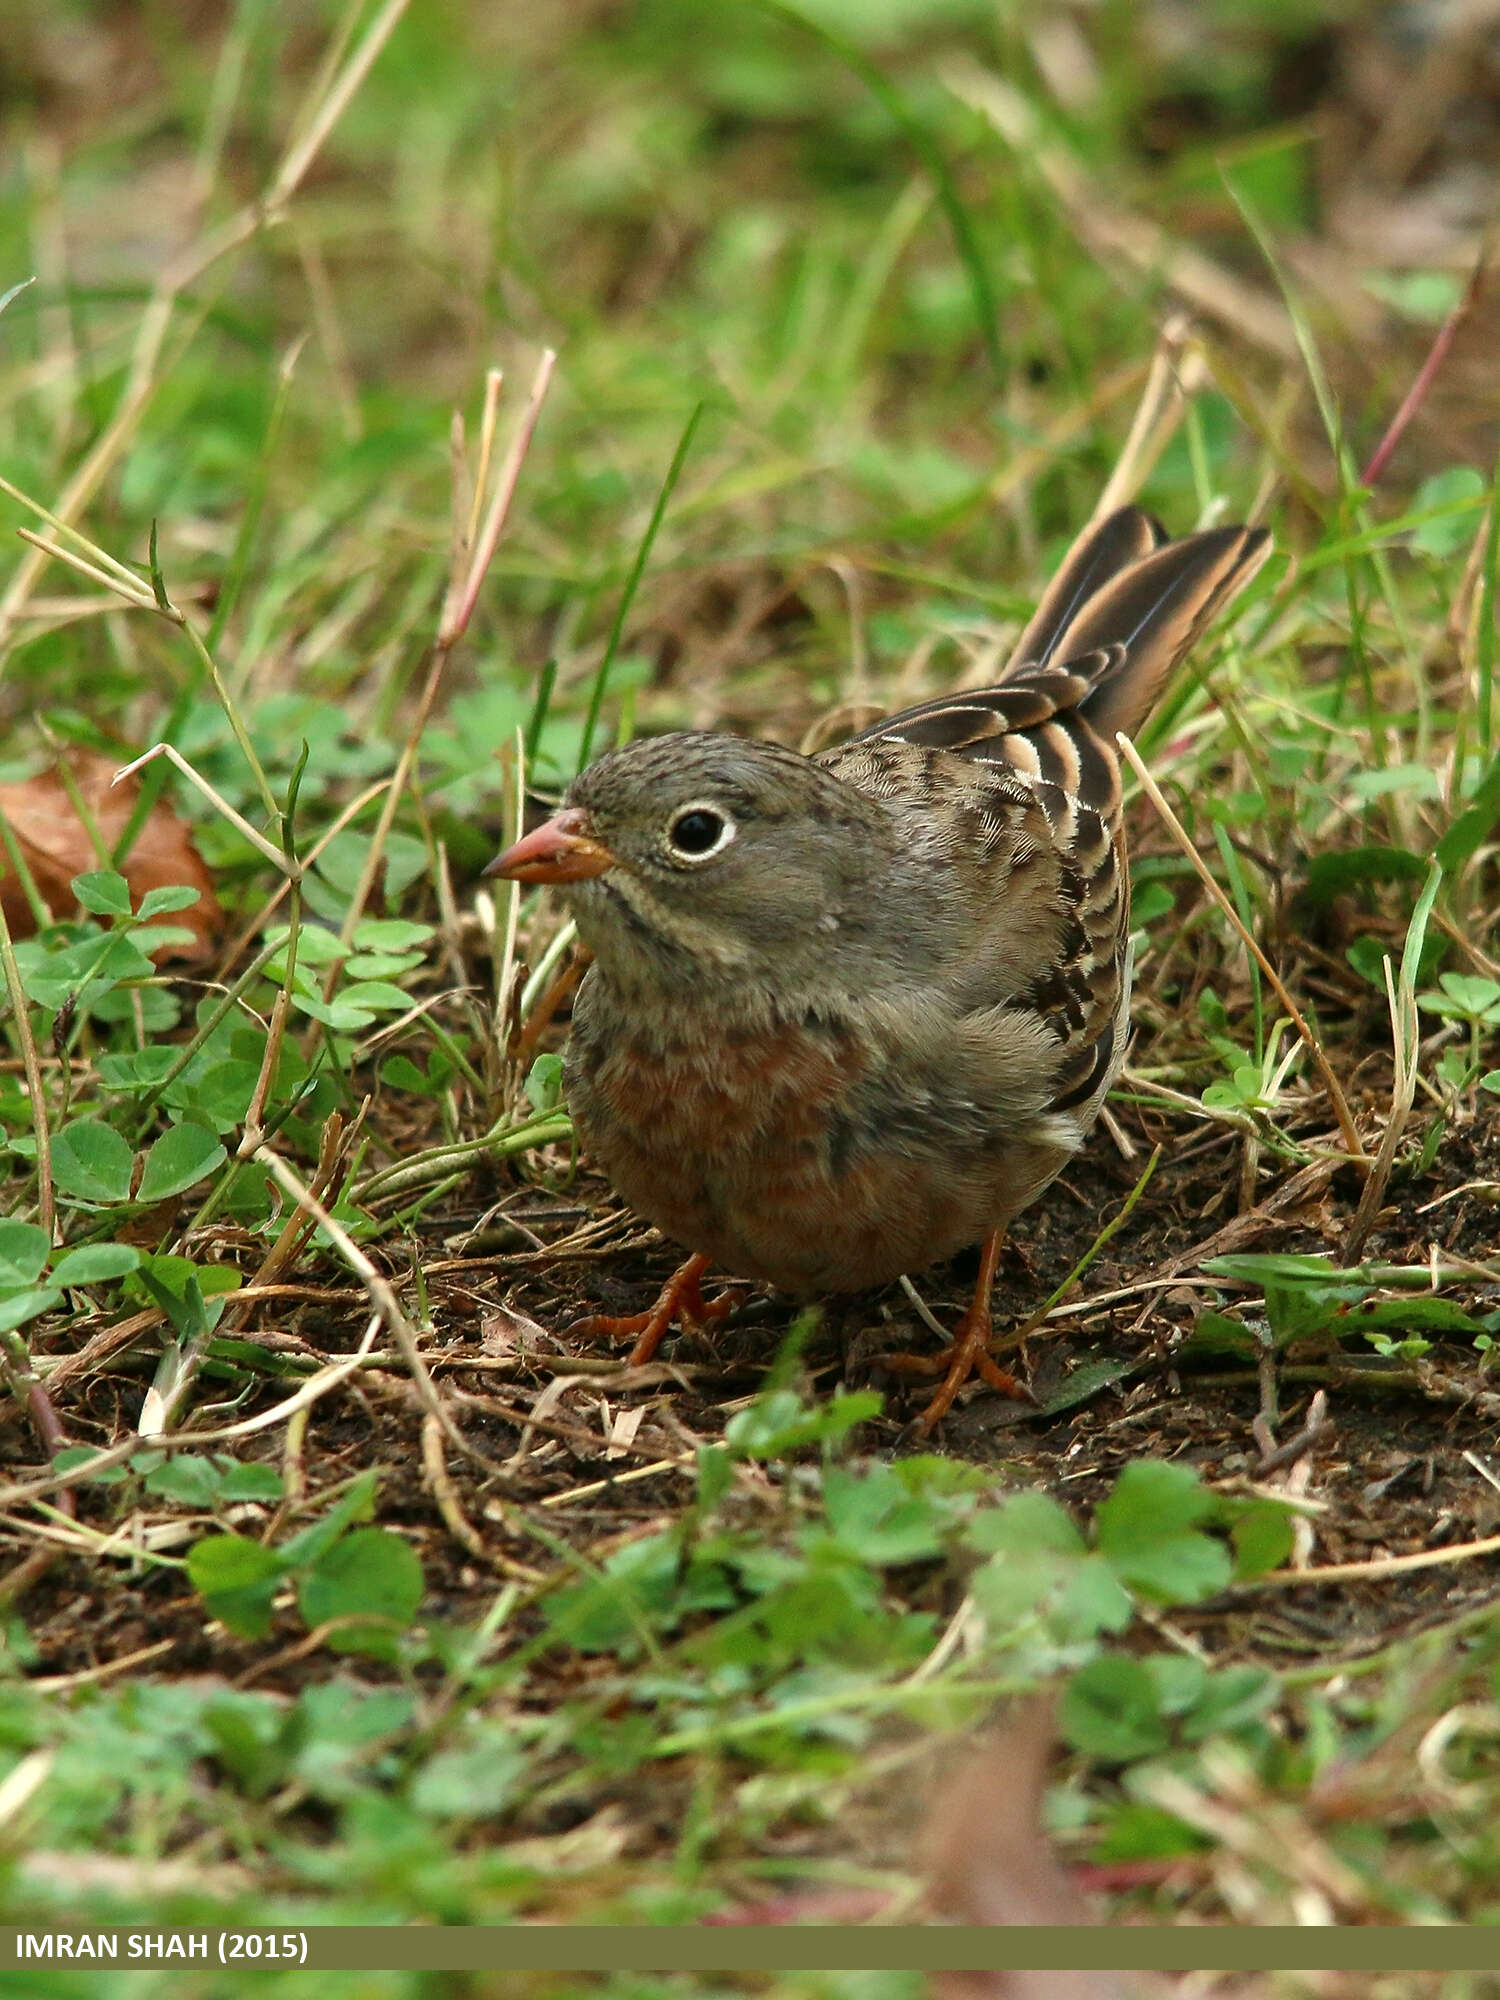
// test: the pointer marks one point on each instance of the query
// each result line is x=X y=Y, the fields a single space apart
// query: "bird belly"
x=732 y=1149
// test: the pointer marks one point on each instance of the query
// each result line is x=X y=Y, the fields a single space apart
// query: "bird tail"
x=1125 y=589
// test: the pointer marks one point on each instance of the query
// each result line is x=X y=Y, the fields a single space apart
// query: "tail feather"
x=1116 y=543
x=1115 y=620
x=1150 y=605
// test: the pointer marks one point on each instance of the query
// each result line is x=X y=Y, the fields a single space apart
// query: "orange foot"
x=681 y=1298
x=967 y=1353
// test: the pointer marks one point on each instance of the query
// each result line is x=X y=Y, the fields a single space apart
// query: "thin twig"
x=571 y=1495
x=1401 y=998
x=382 y=1297
x=1157 y=416
x=452 y=629
x=1377 y=1569
x=1416 y=395
x=21 y=1013
x=268 y=848
x=1316 y=1427
x=130 y=592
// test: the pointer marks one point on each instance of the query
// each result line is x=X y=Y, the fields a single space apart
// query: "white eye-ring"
x=699 y=831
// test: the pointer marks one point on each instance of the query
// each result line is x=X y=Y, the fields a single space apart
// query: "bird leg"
x=968 y=1352
x=681 y=1298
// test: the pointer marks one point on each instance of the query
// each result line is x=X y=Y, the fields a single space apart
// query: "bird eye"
x=699 y=831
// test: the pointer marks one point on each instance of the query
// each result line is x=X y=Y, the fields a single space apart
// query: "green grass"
x=838 y=377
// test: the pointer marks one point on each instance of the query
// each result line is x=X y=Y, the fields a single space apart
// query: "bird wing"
x=1018 y=784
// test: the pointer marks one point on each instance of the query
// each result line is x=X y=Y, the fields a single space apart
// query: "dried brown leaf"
x=56 y=846
x=990 y=1862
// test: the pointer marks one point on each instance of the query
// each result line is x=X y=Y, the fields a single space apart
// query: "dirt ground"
x=1403 y=1465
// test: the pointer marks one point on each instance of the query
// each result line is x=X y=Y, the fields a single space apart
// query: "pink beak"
x=561 y=851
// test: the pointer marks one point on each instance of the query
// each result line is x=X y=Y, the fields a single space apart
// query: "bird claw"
x=928 y=1365
x=957 y=1363
x=966 y=1355
x=681 y=1298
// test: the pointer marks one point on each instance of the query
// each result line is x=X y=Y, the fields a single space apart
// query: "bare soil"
x=560 y=1428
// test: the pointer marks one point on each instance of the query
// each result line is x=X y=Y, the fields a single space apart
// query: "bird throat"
x=647 y=949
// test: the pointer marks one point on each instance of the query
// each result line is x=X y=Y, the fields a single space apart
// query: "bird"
x=850 y=1014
